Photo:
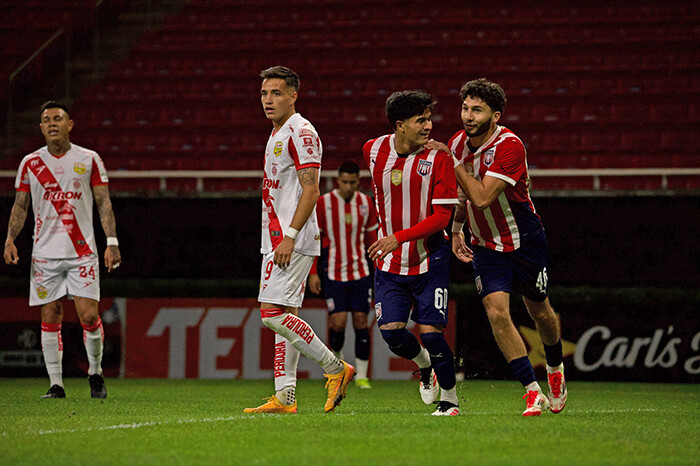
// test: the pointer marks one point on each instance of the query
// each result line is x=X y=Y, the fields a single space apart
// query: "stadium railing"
x=593 y=179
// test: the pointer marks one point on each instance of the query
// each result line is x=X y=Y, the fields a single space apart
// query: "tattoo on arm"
x=18 y=215
x=308 y=176
x=104 y=208
x=461 y=209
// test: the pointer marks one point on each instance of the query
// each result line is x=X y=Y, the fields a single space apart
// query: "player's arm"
x=109 y=224
x=480 y=193
x=310 y=192
x=314 y=281
x=435 y=222
x=459 y=246
x=18 y=216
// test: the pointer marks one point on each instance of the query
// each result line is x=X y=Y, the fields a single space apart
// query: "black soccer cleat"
x=97 y=386
x=56 y=391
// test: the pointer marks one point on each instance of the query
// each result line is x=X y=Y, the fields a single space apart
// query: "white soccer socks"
x=52 y=347
x=285 y=369
x=361 y=365
x=93 y=337
x=302 y=337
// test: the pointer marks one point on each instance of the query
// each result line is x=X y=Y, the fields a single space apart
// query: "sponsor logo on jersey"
x=396 y=176
x=488 y=156
x=269 y=183
x=278 y=148
x=424 y=167
x=59 y=171
x=275 y=233
x=41 y=292
x=77 y=184
x=62 y=195
x=34 y=162
x=79 y=168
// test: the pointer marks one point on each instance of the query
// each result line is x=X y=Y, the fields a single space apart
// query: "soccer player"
x=415 y=191
x=62 y=179
x=347 y=222
x=290 y=241
x=507 y=237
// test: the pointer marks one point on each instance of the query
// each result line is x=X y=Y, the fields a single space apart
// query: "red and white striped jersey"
x=405 y=189
x=343 y=225
x=295 y=146
x=511 y=217
x=61 y=192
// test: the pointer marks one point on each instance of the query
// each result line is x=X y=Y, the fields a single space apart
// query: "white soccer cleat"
x=445 y=408
x=429 y=388
x=535 y=403
x=557 y=388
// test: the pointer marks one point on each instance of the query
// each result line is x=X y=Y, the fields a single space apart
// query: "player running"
x=415 y=191
x=62 y=179
x=290 y=241
x=507 y=237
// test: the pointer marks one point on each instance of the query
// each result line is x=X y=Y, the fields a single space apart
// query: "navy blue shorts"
x=354 y=295
x=522 y=271
x=422 y=297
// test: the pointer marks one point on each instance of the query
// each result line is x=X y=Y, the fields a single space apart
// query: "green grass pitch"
x=201 y=422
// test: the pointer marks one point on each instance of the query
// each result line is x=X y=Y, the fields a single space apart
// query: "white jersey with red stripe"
x=293 y=147
x=343 y=225
x=61 y=192
x=511 y=217
x=405 y=190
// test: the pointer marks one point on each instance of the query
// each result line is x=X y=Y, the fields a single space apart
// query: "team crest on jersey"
x=79 y=168
x=330 y=304
x=396 y=176
x=424 y=167
x=41 y=292
x=278 y=149
x=305 y=133
x=488 y=156
x=348 y=218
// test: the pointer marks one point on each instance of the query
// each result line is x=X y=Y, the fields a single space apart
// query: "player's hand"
x=437 y=145
x=460 y=249
x=283 y=253
x=113 y=258
x=380 y=248
x=314 y=283
x=10 y=254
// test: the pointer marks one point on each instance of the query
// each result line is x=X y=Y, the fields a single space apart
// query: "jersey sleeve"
x=321 y=212
x=509 y=161
x=98 y=174
x=305 y=148
x=22 y=179
x=445 y=186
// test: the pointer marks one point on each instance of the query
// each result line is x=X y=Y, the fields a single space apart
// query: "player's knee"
x=393 y=337
x=272 y=318
x=336 y=339
x=434 y=342
x=498 y=317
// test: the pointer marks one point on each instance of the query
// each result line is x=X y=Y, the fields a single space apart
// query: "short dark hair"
x=282 y=72
x=491 y=93
x=402 y=105
x=349 y=167
x=53 y=104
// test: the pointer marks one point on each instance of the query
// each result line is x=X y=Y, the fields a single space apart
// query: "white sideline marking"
x=135 y=425
x=138 y=425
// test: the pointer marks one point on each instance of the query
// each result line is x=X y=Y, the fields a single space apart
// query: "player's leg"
x=392 y=307
x=83 y=283
x=362 y=348
x=431 y=313
x=282 y=289
x=47 y=288
x=493 y=273
x=336 y=331
x=52 y=347
x=360 y=299
x=548 y=328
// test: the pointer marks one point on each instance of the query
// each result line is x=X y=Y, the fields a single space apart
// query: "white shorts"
x=284 y=287
x=52 y=279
